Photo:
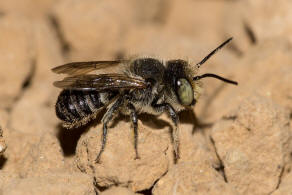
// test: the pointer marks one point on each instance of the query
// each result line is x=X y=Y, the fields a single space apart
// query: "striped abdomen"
x=76 y=108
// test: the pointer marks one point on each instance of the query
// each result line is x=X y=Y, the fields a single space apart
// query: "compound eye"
x=185 y=92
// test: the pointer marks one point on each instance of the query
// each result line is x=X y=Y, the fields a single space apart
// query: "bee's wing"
x=101 y=82
x=78 y=68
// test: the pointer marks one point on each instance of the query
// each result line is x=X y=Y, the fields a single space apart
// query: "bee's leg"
x=107 y=117
x=174 y=117
x=134 y=120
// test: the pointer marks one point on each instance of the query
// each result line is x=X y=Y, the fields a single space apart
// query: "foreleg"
x=174 y=117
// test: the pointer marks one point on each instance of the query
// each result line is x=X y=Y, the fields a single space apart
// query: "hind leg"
x=108 y=116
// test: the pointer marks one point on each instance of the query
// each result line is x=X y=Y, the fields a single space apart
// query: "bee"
x=145 y=85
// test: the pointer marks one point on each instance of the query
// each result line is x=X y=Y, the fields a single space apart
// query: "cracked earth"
x=236 y=140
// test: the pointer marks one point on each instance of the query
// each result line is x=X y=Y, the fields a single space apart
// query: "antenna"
x=215 y=76
x=213 y=52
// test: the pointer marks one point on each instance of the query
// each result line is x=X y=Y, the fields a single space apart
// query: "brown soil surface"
x=236 y=140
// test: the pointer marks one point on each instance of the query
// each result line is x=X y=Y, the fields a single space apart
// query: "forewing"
x=101 y=82
x=78 y=68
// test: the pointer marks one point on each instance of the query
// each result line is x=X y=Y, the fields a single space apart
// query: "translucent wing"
x=101 y=82
x=78 y=68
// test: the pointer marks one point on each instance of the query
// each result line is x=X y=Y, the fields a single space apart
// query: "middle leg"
x=134 y=120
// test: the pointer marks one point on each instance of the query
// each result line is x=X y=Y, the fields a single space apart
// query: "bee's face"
x=179 y=82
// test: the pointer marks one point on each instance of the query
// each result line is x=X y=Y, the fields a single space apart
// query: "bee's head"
x=180 y=79
x=177 y=77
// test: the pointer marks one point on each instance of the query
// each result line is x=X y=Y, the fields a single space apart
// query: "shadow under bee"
x=68 y=138
x=189 y=117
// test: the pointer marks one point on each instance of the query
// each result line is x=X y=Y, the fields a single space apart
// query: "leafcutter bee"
x=144 y=85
